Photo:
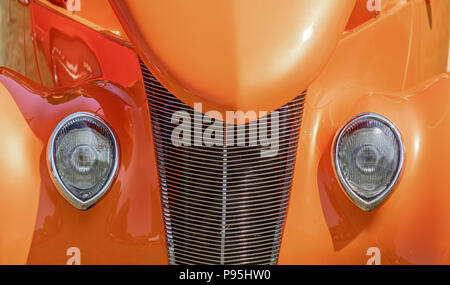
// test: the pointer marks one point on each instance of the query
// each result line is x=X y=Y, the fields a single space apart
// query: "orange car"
x=224 y=132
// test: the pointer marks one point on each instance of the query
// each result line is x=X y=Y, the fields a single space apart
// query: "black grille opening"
x=222 y=204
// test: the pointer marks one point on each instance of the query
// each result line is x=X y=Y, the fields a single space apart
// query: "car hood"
x=235 y=54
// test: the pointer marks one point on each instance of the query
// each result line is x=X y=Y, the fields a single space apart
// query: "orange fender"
x=413 y=224
x=20 y=177
x=39 y=226
x=378 y=67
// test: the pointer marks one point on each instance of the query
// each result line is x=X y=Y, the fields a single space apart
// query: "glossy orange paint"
x=234 y=54
x=19 y=202
x=412 y=225
x=373 y=70
x=125 y=226
x=74 y=52
x=362 y=14
x=393 y=64
x=96 y=14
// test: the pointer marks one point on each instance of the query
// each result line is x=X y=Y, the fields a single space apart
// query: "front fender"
x=38 y=225
x=19 y=195
x=413 y=225
x=378 y=67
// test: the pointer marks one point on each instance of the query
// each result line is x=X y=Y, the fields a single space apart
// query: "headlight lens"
x=83 y=158
x=368 y=157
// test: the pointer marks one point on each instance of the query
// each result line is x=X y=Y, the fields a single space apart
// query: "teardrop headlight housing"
x=368 y=159
x=83 y=158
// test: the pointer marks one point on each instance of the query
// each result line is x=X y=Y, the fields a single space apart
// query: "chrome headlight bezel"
x=60 y=186
x=359 y=201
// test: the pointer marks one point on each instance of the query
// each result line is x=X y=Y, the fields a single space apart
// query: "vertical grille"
x=222 y=204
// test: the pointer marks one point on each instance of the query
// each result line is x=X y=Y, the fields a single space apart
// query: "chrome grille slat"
x=212 y=217
x=287 y=145
x=247 y=259
x=235 y=193
x=247 y=188
x=166 y=111
x=290 y=119
x=256 y=170
x=248 y=137
x=206 y=246
x=203 y=184
x=245 y=168
x=255 y=174
x=235 y=210
x=206 y=243
x=239 y=200
x=244 y=241
x=166 y=94
x=236 y=241
x=236 y=233
x=248 y=178
x=222 y=204
x=160 y=104
x=174 y=159
x=248 y=210
x=250 y=252
x=249 y=225
x=266 y=217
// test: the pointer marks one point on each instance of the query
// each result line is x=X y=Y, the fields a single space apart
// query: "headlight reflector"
x=368 y=158
x=83 y=158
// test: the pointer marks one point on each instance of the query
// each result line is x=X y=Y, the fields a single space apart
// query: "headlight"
x=368 y=158
x=83 y=158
